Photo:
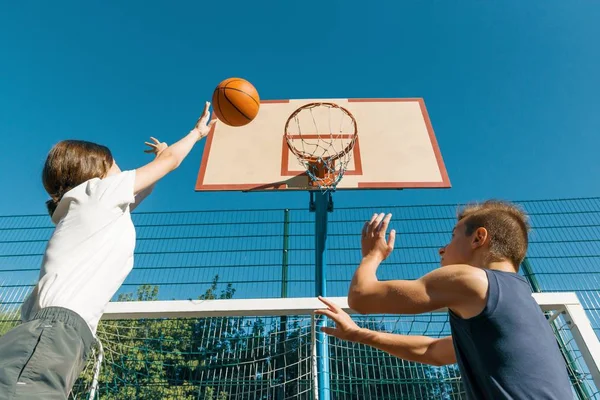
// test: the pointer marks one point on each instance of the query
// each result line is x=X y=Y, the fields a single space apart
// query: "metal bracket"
x=311 y=203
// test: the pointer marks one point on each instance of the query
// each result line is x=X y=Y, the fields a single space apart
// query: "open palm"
x=156 y=147
x=373 y=237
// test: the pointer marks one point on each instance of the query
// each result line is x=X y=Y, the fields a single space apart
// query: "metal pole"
x=530 y=276
x=285 y=255
x=313 y=356
x=283 y=319
x=581 y=390
x=322 y=202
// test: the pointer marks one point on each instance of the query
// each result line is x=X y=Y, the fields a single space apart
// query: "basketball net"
x=322 y=136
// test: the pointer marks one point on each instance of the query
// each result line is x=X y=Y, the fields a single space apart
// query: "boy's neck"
x=504 y=266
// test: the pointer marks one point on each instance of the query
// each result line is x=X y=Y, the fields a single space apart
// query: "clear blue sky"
x=511 y=87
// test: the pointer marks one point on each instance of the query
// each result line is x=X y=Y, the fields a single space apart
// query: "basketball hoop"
x=322 y=136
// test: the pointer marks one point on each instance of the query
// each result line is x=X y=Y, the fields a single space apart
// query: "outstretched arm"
x=423 y=349
x=459 y=287
x=156 y=148
x=170 y=158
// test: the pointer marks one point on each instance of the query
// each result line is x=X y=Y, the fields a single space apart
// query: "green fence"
x=270 y=254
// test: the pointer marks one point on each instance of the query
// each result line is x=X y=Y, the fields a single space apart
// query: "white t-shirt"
x=90 y=252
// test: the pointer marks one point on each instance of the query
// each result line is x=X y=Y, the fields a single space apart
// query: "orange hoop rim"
x=310 y=159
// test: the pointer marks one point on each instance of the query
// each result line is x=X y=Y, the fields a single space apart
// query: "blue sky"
x=511 y=87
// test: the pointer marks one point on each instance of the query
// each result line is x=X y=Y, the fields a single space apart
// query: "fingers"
x=382 y=228
x=329 y=331
x=155 y=147
x=378 y=224
x=368 y=228
x=332 y=306
x=373 y=218
x=204 y=117
x=328 y=313
x=374 y=227
x=392 y=239
x=205 y=111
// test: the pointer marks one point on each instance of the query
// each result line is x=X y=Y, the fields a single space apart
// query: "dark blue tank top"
x=509 y=351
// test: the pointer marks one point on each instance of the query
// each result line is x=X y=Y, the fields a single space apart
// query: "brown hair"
x=69 y=164
x=507 y=226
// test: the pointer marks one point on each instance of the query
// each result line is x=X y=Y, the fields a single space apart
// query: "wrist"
x=195 y=133
x=373 y=257
x=362 y=336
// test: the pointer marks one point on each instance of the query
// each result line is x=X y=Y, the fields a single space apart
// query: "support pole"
x=285 y=255
x=322 y=205
x=281 y=365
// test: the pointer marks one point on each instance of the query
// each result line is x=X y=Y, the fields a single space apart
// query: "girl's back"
x=90 y=252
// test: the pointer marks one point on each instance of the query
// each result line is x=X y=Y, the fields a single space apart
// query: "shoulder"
x=462 y=275
x=116 y=179
x=116 y=190
x=466 y=285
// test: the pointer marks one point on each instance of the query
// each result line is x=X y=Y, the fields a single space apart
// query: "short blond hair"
x=507 y=225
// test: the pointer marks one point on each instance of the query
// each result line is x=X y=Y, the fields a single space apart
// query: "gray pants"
x=42 y=358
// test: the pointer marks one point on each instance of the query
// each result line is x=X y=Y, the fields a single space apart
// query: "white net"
x=204 y=358
x=230 y=358
x=234 y=355
x=322 y=136
x=581 y=376
x=256 y=358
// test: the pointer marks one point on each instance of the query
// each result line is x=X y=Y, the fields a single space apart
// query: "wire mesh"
x=185 y=255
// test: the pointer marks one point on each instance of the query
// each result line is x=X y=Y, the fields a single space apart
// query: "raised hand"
x=157 y=147
x=203 y=126
x=373 y=240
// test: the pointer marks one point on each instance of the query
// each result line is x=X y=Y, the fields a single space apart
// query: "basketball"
x=235 y=102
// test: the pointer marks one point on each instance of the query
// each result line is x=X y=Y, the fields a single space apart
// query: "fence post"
x=313 y=355
x=283 y=319
x=285 y=255
x=322 y=206
x=581 y=391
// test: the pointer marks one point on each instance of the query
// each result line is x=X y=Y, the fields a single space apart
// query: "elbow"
x=359 y=301
x=438 y=353
x=436 y=363
x=354 y=303
x=172 y=161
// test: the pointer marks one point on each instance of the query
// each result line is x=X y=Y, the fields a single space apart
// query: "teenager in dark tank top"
x=501 y=340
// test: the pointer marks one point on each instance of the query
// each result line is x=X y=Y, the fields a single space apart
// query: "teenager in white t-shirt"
x=86 y=260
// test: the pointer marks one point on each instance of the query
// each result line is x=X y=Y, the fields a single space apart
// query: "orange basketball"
x=235 y=101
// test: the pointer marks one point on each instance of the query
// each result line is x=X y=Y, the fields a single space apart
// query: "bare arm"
x=155 y=147
x=170 y=158
x=460 y=287
x=421 y=349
